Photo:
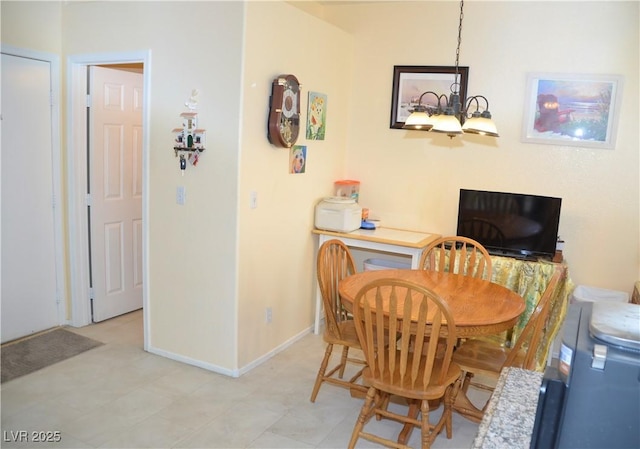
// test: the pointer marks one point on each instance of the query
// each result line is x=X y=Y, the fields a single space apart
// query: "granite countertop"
x=508 y=420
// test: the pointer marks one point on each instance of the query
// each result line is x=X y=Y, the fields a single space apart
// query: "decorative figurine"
x=189 y=139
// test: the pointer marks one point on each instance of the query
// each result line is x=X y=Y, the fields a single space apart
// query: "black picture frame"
x=410 y=81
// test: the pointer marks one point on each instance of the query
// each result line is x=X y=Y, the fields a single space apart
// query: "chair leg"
x=448 y=414
x=425 y=434
x=467 y=381
x=321 y=372
x=384 y=405
x=363 y=417
x=449 y=399
x=343 y=361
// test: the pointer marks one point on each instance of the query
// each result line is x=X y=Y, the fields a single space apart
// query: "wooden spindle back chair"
x=484 y=359
x=418 y=367
x=334 y=263
x=457 y=254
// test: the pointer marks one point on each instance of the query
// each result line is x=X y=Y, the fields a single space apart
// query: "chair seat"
x=434 y=390
x=347 y=332
x=483 y=356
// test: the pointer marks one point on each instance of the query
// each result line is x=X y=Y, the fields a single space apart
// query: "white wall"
x=411 y=179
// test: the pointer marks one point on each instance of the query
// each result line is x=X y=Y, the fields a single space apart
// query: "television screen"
x=510 y=224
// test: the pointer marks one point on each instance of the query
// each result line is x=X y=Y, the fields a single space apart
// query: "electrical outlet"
x=181 y=195
x=254 y=199
x=269 y=315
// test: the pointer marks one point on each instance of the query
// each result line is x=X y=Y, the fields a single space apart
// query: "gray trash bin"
x=385 y=264
x=584 y=293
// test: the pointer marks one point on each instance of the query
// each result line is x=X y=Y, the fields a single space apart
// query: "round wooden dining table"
x=478 y=307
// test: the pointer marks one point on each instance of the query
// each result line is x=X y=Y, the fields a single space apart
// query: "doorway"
x=80 y=172
x=115 y=189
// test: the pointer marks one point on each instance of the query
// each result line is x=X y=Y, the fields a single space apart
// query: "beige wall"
x=196 y=313
x=276 y=248
x=412 y=179
x=215 y=264
x=32 y=25
x=192 y=248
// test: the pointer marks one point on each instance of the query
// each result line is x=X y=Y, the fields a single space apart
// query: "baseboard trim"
x=225 y=371
x=276 y=350
x=193 y=362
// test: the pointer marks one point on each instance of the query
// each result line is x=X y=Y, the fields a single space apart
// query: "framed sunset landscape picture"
x=577 y=110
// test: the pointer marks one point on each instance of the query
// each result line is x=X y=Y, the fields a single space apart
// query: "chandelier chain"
x=454 y=117
x=459 y=37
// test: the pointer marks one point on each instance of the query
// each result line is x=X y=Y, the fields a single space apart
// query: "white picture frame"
x=572 y=109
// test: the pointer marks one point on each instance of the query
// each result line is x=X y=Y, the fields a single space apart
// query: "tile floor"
x=118 y=396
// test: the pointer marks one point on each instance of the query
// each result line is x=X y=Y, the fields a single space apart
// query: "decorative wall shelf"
x=180 y=150
x=189 y=140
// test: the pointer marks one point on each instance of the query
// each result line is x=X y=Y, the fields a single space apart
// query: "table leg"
x=415 y=259
x=414 y=409
x=463 y=406
x=405 y=433
x=316 y=324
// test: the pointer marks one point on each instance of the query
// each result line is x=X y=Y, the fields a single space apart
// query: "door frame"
x=78 y=228
x=56 y=161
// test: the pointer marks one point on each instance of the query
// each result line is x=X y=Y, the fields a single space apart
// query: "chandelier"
x=453 y=116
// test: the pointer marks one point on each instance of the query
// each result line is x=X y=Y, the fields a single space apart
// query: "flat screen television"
x=510 y=224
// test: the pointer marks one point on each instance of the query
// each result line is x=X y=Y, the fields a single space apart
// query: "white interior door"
x=29 y=302
x=115 y=154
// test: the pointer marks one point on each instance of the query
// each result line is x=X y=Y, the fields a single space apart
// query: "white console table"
x=390 y=240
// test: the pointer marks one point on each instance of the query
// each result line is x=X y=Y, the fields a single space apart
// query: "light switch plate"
x=181 y=195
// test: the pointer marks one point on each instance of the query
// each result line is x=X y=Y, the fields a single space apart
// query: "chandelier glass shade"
x=452 y=116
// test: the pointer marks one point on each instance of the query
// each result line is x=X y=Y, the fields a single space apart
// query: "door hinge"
x=91 y=297
x=88 y=100
x=87 y=199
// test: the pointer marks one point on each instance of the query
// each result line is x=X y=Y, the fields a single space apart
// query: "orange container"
x=347 y=188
